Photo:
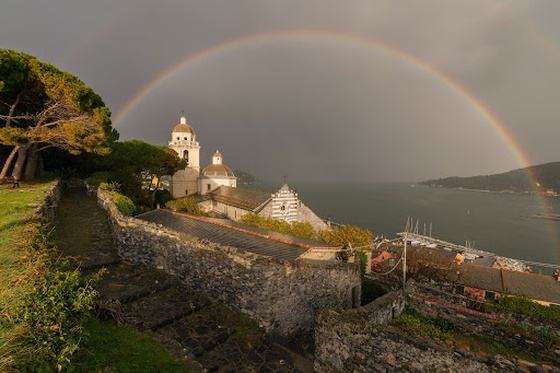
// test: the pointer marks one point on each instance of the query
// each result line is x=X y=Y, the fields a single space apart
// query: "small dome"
x=183 y=127
x=217 y=170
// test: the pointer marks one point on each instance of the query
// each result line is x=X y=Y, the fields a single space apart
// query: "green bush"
x=412 y=320
x=97 y=178
x=187 y=204
x=124 y=204
x=371 y=291
x=297 y=229
x=42 y=324
x=344 y=235
x=163 y=196
x=363 y=262
x=56 y=313
x=525 y=306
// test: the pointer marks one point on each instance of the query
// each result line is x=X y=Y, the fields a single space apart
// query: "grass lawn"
x=40 y=301
x=113 y=348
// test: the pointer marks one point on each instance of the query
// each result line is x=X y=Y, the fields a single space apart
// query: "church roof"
x=228 y=234
x=245 y=198
x=183 y=126
x=217 y=170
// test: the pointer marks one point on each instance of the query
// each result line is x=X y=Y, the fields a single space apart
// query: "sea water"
x=495 y=222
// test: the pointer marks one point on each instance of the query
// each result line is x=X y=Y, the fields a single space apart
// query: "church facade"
x=191 y=181
x=216 y=186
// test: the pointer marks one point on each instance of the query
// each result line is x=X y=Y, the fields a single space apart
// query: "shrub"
x=187 y=205
x=56 y=312
x=415 y=322
x=163 y=196
x=124 y=204
x=347 y=234
x=297 y=229
x=42 y=324
x=525 y=306
x=97 y=178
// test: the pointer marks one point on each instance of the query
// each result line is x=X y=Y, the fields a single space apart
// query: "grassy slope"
x=17 y=269
x=106 y=347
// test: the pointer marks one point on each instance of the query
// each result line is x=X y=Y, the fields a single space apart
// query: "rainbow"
x=328 y=36
x=335 y=37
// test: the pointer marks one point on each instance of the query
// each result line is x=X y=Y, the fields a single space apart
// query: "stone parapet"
x=47 y=209
x=284 y=296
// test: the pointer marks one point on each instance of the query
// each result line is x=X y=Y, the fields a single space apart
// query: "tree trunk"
x=12 y=110
x=18 y=167
x=8 y=162
x=40 y=166
x=155 y=190
x=31 y=165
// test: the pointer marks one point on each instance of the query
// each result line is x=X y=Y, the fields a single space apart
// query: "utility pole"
x=404 y=252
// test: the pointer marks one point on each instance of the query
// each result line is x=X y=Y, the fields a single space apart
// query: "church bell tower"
x=183 y=141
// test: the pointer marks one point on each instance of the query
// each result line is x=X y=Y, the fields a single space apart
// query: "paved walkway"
x=206 y=336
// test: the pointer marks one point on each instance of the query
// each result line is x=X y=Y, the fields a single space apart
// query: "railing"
x=183 y=143
x=455 y=247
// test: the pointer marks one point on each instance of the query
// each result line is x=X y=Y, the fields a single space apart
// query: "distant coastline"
x=545 y=216
x=540 y=179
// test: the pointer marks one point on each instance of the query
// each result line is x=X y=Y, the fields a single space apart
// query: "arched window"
x=186 y=155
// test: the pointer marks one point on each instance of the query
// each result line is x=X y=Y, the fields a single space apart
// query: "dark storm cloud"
x=316 y=109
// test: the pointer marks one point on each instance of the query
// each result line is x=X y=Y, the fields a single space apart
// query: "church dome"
x=217 y=170
x=183 y=127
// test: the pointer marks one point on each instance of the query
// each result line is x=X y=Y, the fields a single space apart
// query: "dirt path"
x=206 y=336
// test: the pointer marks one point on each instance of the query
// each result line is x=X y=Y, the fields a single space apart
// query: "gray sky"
x=363 y=90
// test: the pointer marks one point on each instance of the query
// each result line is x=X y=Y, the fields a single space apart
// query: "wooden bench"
x=10 y=180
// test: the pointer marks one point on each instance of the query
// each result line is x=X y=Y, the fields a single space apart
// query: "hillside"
x=244 y=177
x=546 y=175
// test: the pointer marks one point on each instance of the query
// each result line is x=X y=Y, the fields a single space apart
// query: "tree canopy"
x=137 y=167
x=43 y=107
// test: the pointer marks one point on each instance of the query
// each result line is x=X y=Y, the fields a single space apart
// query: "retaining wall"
x=285 y=297
x=361 y=340
x=47 y=209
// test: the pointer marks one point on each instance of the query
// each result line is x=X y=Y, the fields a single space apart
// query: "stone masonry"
x=284 y=296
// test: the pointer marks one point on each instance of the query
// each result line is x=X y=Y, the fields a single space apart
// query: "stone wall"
x=285 y=297
x=346 y=342
x=47 y=209
x=361 y=341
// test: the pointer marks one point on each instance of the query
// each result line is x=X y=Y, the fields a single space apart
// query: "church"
x=215 y=187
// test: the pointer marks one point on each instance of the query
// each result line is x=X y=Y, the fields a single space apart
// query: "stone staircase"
x=206 y=336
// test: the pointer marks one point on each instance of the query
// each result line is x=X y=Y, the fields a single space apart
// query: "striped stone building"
x=215 y=186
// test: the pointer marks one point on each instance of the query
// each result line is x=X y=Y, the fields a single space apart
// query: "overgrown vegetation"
x=371 y=290
x=413 y=321
x=115 y=348
x=137 y=168
x=297 y=229
x=524 y=306
x=46 y=324
x=123 y=203
x=187 y=204
x=43 y=303
x=346 y=236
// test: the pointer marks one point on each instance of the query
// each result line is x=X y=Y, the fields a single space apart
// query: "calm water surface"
x=496 y=222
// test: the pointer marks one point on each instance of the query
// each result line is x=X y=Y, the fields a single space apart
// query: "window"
x=186 y=155
x=208 y=187
x=178 y=138
x=186 y=192
x=186 y=139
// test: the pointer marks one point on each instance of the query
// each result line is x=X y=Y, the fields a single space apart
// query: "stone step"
x=127 y=283
x=162 y=308
x=89 y=268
